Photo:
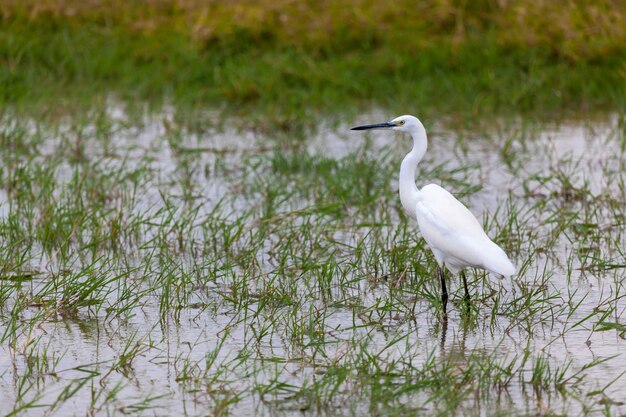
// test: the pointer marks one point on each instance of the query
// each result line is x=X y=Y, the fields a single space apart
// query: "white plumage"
x=454 y=235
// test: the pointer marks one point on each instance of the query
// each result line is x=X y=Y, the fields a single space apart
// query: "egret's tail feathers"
x=500 y=264
x=505 y=270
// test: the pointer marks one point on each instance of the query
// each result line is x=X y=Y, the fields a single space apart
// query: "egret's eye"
x=401 y=122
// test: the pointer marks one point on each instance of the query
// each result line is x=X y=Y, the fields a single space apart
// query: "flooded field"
x=151 y=267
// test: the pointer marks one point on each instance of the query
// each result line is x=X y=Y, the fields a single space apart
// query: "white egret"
x=452 y=232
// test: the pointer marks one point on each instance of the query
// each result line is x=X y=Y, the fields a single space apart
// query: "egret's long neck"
x=409 y=193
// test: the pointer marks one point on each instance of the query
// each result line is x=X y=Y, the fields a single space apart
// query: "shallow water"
x=555 y=192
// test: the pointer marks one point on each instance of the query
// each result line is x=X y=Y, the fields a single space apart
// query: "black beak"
x=385 y=125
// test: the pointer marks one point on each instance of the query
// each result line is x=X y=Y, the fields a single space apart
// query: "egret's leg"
x=467 y=296
x=444 y=292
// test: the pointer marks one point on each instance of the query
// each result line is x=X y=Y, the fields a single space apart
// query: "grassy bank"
x=280 y=61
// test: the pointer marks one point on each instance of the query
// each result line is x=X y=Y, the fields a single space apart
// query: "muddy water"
x=589 y=155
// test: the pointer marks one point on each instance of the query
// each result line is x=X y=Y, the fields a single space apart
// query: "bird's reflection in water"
x=443 y=323
x=466 y=322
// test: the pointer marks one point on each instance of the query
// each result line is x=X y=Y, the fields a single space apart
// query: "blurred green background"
x=281 y=61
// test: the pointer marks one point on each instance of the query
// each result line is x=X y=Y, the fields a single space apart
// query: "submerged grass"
x=147 y=266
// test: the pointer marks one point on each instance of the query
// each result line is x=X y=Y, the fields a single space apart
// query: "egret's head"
x=401 y=123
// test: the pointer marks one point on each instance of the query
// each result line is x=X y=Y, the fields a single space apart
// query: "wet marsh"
x=151 y=266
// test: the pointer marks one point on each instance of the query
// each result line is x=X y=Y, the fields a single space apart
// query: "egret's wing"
x=447 y=213
x=451 y=229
